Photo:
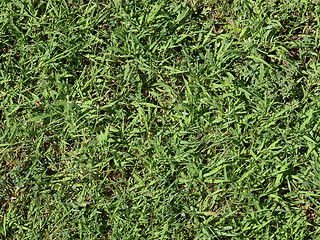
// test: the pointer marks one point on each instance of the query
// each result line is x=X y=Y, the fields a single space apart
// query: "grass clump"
x=151 y=119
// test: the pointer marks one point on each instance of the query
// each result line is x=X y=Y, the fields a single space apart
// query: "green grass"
x=159 y=119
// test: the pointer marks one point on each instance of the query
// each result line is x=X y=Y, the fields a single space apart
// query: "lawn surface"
x=159 y=119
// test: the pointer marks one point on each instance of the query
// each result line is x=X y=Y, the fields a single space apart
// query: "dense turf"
x=159 y=119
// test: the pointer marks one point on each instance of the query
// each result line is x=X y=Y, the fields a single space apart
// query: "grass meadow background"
x=159 y=119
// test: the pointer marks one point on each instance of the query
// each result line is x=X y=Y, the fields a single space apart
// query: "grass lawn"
x=159 y=119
